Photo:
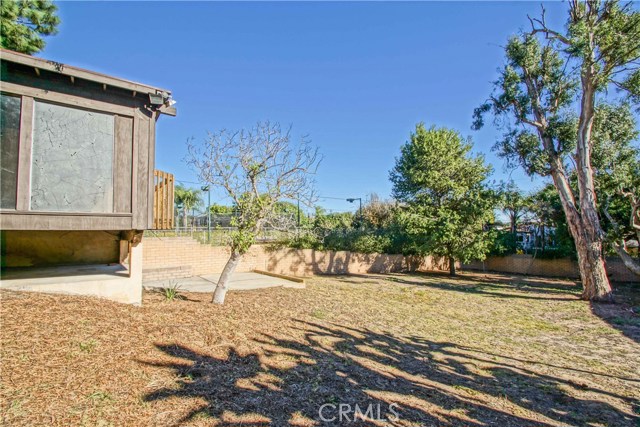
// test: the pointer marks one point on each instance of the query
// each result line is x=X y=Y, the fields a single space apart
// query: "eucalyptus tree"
x=616 y=165
x=447 y=202
x=257 y=168
x=545 y=99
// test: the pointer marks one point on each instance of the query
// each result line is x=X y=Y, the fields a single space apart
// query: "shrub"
x=172 y=292
x=504 y=244
x=368 y=243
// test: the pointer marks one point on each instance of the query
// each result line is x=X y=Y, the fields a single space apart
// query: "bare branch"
x=539 y=25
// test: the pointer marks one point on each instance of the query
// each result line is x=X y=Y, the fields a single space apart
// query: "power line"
x=333 y=198
x=188 y=182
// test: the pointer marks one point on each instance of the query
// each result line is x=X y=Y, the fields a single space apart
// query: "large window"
x=72 y=160
x=10 y=141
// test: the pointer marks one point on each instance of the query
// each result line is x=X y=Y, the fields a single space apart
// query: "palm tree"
x=186 y=199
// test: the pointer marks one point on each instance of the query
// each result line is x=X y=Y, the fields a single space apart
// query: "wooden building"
x=77 y=180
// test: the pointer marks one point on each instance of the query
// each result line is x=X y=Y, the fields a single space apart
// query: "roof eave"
x=75 y=72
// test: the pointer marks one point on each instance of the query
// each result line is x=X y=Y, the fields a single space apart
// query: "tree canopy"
x=514 y=203
x=546 y=98
x=186 y=199
x=23 y=23
x=448 y=203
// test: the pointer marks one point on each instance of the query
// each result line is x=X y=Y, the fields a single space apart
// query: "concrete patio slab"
x=239 y=282
x=111 y=281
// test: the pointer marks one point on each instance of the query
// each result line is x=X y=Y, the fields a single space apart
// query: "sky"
x=355 y=77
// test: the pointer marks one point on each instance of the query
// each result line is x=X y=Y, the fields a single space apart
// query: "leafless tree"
x=257 y=168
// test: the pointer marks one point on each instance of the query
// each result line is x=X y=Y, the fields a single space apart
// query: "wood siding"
x=134 y=148
x=163 y=211
x=123 y=164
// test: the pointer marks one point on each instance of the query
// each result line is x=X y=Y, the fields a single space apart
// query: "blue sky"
x=355 y=77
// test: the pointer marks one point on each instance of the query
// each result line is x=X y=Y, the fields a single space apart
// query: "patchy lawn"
x=475 y=351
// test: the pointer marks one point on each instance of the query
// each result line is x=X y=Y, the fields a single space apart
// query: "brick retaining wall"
x=179 y=257
x=564 y=267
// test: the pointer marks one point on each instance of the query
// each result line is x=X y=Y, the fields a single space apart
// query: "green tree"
x=545 y=98
x=514 y=203
x=257 y=168
x=332 y=221
x=616 y=166
x=186 y=199
x=447 y=201
x=217 y=209
x=547 y=208
x=23 y=23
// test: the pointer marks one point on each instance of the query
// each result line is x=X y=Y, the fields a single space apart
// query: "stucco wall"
x=178 y=257
x=564 y=267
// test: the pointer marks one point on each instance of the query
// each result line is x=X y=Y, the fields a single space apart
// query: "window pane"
x=72 y=163
x=10 y=139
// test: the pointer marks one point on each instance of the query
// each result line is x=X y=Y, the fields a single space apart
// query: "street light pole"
x=207 y=188
x=359 y=199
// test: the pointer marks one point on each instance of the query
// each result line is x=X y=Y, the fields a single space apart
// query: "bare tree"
x=257 y=168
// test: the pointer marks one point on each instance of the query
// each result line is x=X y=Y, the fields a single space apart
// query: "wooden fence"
x=163 y=212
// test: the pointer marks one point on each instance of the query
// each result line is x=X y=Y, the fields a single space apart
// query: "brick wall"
x=179 y=257
x=564 y=267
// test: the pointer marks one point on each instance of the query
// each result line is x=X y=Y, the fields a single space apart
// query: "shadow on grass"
x=492 y=286
x=432 y=384
x=624 y=315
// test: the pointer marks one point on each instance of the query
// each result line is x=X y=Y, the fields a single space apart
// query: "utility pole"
x=353 y=199
x=207 y=188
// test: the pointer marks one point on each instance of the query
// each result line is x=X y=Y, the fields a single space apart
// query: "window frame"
x=15 y=195
x=29 y=96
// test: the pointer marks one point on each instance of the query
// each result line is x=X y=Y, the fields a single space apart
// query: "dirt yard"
x=474 y=351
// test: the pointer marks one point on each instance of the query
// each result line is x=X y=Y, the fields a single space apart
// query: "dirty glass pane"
x=72 y=163
x=10 y=138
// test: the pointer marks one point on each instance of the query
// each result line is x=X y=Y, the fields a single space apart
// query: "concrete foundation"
x=240 y=281
x=26 y=248
x=116 y=282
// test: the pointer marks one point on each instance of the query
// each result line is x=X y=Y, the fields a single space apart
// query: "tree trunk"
x=594 y=275
x=587 y=239
x=223 y=283
x=452 y=266
x=595 y=282
x=627 y=259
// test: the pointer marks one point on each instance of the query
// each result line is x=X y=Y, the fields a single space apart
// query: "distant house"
x=77 y=180
x=532 y=237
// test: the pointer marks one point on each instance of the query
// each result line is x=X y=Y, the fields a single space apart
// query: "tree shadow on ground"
x=492 y=286
x=624 y=315
x=288 y=380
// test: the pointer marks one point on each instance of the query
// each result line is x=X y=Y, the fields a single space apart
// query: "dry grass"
x=478 y=350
